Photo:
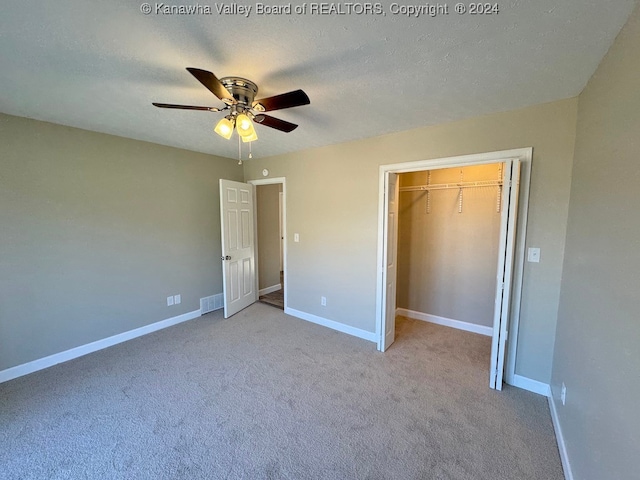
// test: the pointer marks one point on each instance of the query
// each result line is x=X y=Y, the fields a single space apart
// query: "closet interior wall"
x=448 y=243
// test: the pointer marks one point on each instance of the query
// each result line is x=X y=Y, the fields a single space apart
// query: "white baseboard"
x=562 y=447
x=447 y=322
x=531 y=385
x=51 y=360
x=340 y=327
x=272 y=288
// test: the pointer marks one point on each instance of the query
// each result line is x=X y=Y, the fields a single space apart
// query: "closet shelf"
x=447 y=186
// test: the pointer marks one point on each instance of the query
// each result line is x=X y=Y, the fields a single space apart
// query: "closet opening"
x=448 y=246
x=448 y=252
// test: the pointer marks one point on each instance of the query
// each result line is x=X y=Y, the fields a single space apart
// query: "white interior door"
x=391 y=267
x=238 y=247
x=510 y=188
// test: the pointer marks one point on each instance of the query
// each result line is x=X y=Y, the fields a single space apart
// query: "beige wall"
x=597 y=351
x=447 y=260
x=268 y=213
x=332 y=202
x=96 y=231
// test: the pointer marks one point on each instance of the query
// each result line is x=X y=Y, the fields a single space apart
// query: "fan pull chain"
x=239 y=151
x=250 y=154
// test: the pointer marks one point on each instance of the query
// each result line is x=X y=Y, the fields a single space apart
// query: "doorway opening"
x=511 y=199
x=270 y=241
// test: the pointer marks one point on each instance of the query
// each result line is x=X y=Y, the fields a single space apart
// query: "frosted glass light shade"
x=224 y=128
x=250 y=138
x=244 y=126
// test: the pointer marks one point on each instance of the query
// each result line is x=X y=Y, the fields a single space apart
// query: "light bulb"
x=224 y=128
x=244 y=125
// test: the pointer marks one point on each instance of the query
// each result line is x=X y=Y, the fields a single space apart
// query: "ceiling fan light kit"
x=238 y=95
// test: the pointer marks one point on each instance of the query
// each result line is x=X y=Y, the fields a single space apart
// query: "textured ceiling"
x=98 y=65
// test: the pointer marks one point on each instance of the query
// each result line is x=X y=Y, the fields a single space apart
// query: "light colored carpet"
x=267 y=396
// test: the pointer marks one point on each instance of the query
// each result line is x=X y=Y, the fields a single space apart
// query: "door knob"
x=225 y=258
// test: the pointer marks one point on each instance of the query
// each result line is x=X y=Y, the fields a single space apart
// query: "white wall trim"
x=562 y=447
x=340 y=327
x=447 y=322
x=51 y=360
x=267 y=181
x=531 y=385
x=271 y=289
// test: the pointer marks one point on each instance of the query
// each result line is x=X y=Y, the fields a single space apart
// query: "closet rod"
x=446 y=186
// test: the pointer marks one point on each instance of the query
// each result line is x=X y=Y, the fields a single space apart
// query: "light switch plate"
x=177 y=299
x=296 y=237
x=169 y=301
x=533 y=255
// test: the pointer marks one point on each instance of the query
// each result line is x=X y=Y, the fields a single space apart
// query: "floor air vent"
x=209 y=304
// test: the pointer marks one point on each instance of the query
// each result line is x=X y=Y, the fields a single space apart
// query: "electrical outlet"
x=563 y=394
x=177 y=299
x=169 y=301
x=323 y=301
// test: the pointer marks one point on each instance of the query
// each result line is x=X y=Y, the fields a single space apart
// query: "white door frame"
x=274 y=181
x=524 y=155
x=281 y=229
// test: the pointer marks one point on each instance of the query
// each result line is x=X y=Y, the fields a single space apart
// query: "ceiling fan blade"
x=214 y=85
x=284 y=100
x=186 y=107
x=276 y=123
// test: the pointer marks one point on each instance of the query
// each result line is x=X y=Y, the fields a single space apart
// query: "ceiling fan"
x=238 y=95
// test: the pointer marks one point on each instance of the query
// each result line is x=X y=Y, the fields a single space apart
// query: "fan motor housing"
x=242 y=90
